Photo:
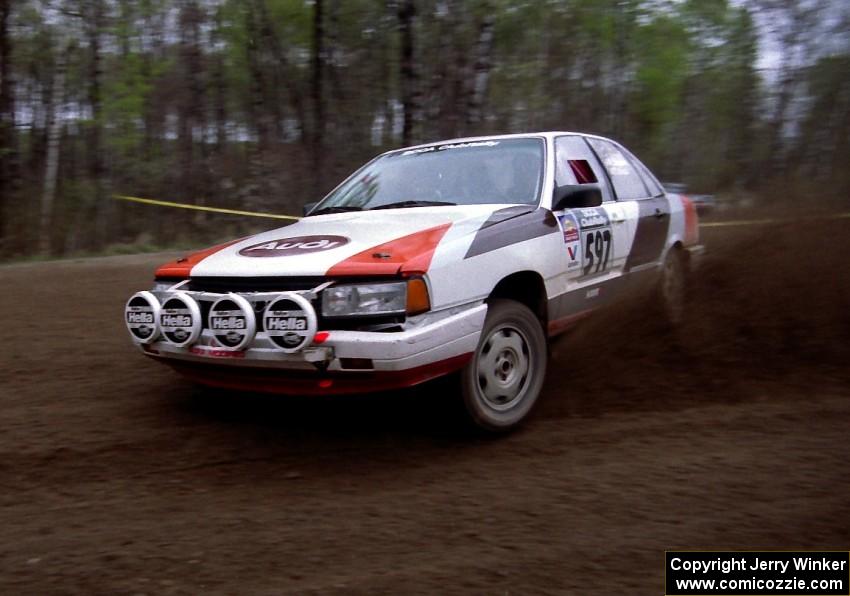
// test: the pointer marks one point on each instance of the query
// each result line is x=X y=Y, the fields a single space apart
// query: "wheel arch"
x=525 y=287
x=678 y=248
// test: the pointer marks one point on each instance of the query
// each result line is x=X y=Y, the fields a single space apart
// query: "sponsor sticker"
x=215 y=353
x=449 y=146
x=298 y=245
x=572 y=239
x=592 y=217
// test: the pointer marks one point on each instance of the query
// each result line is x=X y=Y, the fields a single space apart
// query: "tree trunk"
x=97 y=171
x=220 y=100
x=54 y=137
x=283 y=73
x=8 y=142
x=317 y=137
x=481 y=69
x=407 y=72
x=252 y=193
x=192 y=112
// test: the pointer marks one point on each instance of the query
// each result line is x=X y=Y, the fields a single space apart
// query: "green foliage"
x=125 y=98
x=664 y=51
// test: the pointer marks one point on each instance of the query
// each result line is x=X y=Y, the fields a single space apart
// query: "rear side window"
x=624 y=176
x=648 y=179
x=575 y=163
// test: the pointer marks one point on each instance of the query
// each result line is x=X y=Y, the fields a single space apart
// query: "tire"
x=672 y=289
x=501 y=383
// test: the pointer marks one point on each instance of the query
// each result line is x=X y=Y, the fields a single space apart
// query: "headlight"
x=365 y=299
x=394 y=298
x=162 y=286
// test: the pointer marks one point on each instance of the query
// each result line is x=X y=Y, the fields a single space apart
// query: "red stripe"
x=300 y=383
x=181 y=268
x=408 y=255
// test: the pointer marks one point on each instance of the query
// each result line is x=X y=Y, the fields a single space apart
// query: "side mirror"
x=572 y=196
x=308 y=207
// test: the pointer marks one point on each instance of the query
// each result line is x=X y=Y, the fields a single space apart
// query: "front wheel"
x=504 y=378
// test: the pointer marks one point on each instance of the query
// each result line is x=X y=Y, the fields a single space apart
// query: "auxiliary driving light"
x=290 y=322
x=232 y=321
x=141 y=314
x=180 y=319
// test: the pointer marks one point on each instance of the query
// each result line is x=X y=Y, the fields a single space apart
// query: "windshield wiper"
x=400 y=204
x=336 y=209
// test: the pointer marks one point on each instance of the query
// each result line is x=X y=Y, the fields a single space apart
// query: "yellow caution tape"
x=204 y=208
x=709 y=224
x=740 y=222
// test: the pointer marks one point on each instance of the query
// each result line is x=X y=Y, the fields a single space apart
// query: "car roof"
x=524 y=135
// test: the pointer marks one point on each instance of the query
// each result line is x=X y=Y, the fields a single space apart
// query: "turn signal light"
x=418 y=300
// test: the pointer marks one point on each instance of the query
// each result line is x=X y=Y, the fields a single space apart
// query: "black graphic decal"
x=511 y=226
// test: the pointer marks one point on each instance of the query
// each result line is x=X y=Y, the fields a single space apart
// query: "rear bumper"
x=344 y=362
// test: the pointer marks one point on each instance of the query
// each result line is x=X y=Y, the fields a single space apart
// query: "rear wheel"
x=673 y=286
x=504 y=378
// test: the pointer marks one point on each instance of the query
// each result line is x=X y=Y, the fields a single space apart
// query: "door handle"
x=616 y=217
x=659 y=213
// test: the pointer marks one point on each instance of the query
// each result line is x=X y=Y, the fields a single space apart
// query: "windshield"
x=467 y=173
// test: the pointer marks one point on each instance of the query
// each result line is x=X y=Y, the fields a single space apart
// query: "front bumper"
x=340 y=362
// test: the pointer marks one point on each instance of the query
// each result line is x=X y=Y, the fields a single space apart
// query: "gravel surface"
x=117 y=476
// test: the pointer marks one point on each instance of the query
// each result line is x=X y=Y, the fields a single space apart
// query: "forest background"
x=264 y=105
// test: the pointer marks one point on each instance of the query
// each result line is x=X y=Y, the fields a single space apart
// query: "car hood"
x=382 y=242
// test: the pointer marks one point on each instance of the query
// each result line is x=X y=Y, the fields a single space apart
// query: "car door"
x=596 y=238
x=646 y=209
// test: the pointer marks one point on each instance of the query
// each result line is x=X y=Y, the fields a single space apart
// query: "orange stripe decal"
x=691 y=221
x=407 y=255
x=560 y=325
x=182 y=267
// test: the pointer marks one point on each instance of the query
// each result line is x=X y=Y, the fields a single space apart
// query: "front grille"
x=259 y=307
x=223 y=285
x=382 y=324
x=246 y=285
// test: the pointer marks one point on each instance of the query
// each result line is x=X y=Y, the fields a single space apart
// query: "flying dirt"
x=118 y=476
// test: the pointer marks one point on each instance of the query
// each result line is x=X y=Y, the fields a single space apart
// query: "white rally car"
x=454 y=257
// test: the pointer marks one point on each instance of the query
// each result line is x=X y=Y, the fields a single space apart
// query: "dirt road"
x=118 y=477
